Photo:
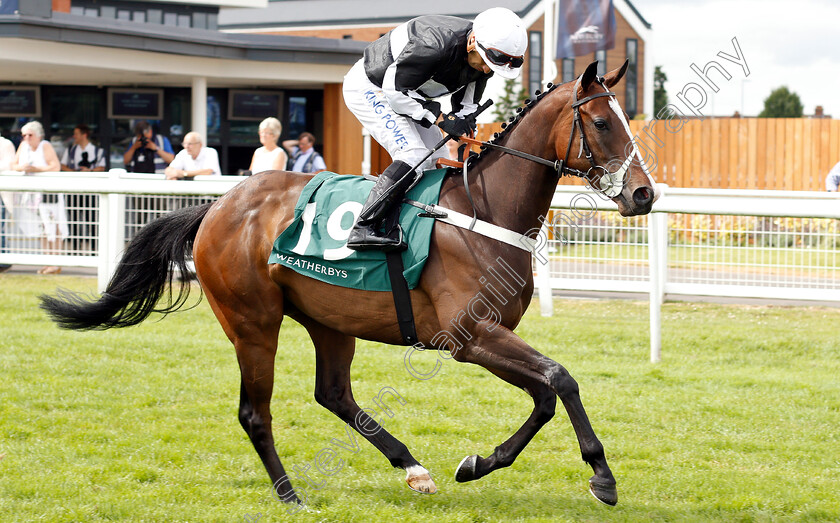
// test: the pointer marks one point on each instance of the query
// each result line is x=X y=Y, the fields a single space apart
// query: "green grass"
x=738 y=423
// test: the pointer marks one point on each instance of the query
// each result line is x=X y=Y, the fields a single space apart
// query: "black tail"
x=142 y=277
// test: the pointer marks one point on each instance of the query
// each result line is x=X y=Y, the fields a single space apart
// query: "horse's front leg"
x=506 y=355
x=545 y=401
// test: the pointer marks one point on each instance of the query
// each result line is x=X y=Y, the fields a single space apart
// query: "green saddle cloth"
x=315 y=244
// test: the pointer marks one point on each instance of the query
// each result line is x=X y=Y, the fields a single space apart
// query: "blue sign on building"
x=8 y=7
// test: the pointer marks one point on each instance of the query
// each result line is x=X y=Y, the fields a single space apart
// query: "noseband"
x=610 y=183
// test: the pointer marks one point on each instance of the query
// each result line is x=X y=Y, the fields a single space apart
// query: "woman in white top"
x=36 y=155
x=270 y=156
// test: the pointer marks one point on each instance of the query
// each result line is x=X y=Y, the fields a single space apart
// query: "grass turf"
x=737 y=423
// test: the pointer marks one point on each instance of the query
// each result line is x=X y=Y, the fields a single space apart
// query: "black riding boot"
x=366 y=233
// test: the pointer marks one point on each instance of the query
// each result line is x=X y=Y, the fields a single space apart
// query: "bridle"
x=610 y=183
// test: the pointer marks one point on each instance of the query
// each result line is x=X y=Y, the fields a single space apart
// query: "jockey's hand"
x=455 y=125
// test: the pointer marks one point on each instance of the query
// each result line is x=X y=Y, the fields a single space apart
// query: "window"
x=84 y=11
x=67 y=107
x=297 y=115
x=200 y=17
x=199 y=20
x=568 y=70
x=631 y=79
x=535 y=70
x=601 y=56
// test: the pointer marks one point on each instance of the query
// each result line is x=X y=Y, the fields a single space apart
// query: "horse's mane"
x=519 y=113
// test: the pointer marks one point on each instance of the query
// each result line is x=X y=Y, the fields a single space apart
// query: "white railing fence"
x=103 y=210
x=763 y=244
x=712 y=242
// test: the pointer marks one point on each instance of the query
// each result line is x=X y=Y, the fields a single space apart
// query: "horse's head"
x=601 y=144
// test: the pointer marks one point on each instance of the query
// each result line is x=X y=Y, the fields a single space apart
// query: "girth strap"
x=402 y=297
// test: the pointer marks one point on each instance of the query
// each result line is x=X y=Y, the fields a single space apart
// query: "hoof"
x=466 y=469
x=421 y=481
x=604 y=490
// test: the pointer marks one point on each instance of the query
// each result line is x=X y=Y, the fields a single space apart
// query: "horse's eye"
x=600 y=124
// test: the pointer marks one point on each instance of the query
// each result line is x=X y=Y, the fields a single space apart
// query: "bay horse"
x=230 y=242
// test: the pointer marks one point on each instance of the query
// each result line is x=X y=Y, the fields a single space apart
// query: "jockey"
x=391 y=91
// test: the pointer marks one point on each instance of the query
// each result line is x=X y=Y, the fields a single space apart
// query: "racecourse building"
x=108 y=63
x=367 y=20
x=220 y=67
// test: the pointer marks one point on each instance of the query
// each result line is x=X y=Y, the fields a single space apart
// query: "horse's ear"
x=613 y=77
x=589 y=76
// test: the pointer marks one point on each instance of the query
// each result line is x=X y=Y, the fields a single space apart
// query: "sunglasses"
x=501 y=58
x=27 y=134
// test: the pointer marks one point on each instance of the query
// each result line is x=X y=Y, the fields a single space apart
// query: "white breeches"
x=402 y=137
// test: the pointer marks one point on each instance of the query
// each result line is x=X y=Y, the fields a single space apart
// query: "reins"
x=560 y=167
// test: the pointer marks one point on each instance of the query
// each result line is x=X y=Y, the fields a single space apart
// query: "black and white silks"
x=422 y=59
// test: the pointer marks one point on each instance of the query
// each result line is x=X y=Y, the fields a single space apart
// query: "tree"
x=782 y=103
x=512 y=98
x=660 y=95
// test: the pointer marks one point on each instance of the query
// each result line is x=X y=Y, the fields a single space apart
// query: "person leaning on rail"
x=36 y=155
x=194 y=160
x=269 y=157
x=82 y=156
x=391 y=91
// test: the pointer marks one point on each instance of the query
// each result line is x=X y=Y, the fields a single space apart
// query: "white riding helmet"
x=501 y=40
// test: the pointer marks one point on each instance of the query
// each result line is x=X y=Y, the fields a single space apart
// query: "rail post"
x=658 y=263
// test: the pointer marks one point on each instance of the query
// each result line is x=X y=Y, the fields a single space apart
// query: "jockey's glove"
x=455 y=125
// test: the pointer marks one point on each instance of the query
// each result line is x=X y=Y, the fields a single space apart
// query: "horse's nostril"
x=642 y=196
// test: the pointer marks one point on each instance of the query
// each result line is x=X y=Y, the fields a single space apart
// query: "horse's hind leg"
x=334 y=354
x=255 y=418
x=252 y=324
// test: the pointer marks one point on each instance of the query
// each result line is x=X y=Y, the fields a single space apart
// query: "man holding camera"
x=149 y=152
x=82 y=156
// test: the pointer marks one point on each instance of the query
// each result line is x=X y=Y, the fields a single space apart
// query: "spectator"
x=7 y=153
x=303 y=158
x=194 y=160
x=7 y=156
x=82 y=156
x=33 y=156
x=832 y=180
x=269 y=157
x=149 y=152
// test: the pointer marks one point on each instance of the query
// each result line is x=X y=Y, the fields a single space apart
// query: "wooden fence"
x=738 y=153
